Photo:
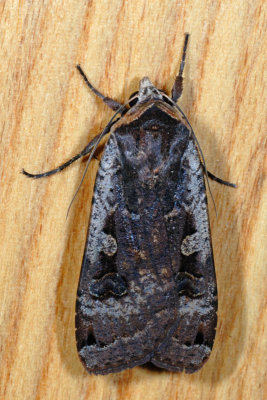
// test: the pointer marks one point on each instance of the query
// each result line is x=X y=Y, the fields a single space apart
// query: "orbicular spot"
x=109 y=285
x=190 y=244
x=109 y=245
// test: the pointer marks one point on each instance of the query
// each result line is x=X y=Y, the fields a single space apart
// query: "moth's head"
x=147 y=91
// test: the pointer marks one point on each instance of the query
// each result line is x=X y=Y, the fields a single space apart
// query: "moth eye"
x=165 y=99
x=132 y=102
x=132 y=95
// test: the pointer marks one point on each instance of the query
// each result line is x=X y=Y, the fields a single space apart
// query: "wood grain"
x=47 y=115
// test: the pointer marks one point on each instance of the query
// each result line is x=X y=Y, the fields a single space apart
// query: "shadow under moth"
x=147 y=289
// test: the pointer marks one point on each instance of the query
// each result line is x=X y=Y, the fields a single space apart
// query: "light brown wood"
x=48 y=114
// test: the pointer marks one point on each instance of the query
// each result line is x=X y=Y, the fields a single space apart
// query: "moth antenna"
x=177 y=88
x=184 y=55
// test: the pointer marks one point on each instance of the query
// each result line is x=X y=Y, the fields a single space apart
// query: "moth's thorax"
x=148 y=91
x=158 y=106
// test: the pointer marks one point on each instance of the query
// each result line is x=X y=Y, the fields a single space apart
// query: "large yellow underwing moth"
x=147 y=289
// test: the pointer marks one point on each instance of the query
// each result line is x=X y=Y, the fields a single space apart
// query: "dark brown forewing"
x=192 y=342
x=127 y=298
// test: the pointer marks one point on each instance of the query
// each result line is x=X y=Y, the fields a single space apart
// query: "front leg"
x=113 y=104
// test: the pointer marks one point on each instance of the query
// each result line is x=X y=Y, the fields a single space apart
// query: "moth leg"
x=216 y=179
x=113 y=104
x=178 y=84
x=85 y=151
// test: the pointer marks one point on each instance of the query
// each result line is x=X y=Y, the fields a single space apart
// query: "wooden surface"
x=48 y=114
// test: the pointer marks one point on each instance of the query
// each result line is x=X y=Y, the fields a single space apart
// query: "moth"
x=147 y=289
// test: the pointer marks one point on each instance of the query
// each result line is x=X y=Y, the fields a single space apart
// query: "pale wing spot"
x=109 y=245
x=191 y=244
